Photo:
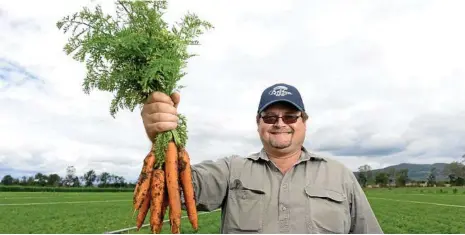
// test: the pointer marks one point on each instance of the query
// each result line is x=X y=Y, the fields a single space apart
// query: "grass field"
x=400 y=210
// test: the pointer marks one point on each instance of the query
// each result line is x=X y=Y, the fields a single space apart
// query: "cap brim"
x=280 y=100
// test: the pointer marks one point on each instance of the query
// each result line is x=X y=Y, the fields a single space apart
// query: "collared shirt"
x=317 y=195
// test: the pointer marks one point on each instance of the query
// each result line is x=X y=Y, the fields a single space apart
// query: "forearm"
x=210 y=181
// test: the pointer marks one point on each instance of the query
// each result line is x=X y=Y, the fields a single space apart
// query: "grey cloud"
x=436 y=134
x=15 y=173
x=427 y=137
x=11 y=69
x=359 y=110
x=36 y=161
x=338 y=141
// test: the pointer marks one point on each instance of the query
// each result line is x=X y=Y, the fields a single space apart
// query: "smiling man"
x=283 y=188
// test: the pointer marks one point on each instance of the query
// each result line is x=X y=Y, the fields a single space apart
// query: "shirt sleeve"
x=210 y=180
x=363 y=218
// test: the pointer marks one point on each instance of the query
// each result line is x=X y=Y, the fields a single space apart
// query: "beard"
x=280 y=145
x=280 y=139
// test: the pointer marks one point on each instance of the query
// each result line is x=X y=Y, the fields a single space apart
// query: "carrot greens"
x=133 y=54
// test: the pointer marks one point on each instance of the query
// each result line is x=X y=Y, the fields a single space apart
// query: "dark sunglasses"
x=287 y=118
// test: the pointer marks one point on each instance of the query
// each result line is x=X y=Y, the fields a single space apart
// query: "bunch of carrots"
x=160 y=188
x=131 y=54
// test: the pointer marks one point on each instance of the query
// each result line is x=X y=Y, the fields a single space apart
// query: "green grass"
x=413 y=210
x=401 y=210
x=79 y=213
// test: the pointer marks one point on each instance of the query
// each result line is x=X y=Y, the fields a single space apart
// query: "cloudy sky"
x=383 y=83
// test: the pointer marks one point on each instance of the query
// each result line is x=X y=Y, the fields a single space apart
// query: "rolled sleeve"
x=363 y=218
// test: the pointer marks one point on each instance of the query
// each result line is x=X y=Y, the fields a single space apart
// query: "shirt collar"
x=306 y=156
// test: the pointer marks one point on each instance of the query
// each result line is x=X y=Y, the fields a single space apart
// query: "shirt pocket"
x=244 y=207
x=328 y=210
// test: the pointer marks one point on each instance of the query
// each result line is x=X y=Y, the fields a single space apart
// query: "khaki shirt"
x=318 y=195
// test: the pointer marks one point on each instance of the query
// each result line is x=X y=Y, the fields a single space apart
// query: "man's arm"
x=210 y=180
x=363 y=217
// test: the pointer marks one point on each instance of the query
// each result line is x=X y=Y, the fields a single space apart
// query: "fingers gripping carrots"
x=159 y=189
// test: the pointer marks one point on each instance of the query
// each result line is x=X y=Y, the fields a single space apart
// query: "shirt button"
x=285 y=186
x=283 y=208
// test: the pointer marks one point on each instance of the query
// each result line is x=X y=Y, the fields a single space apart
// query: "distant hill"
x=417 y=171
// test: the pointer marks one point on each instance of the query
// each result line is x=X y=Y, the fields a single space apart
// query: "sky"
x=382 y=81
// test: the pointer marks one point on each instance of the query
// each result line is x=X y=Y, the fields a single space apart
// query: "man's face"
x=282 y=137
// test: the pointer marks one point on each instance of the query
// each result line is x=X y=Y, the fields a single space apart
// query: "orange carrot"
x=163 y=211
x=143 y=211
x=157 y=194
x=188 y=188
x=172 y=177
x=143 y=183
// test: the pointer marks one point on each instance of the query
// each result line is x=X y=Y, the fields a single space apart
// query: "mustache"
x=275 y=130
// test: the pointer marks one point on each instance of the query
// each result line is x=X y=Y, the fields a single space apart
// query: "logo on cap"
x=279 y=91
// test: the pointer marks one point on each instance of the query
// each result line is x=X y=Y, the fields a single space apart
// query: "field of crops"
x=402 y=210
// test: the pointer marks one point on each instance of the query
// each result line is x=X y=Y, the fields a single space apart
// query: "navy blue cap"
x=281 y=92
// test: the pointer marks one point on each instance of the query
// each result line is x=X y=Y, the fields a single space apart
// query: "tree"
x=89 y=178
x=16 y=181
x=455 y=171
x=119 y=181
x=402 y=177
x=7 y=180
x=76 y=182
x=70 y=174
x=41 y=179
x=370 y=178
x=104 y=178
x=30 y=180
x=54 y=180
x=392 y=175
x=363 y=172
x=432 y=176
x=112 y=179
x=382 y=178
x=23 y=181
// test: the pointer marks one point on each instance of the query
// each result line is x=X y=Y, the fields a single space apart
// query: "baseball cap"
x=281 y=92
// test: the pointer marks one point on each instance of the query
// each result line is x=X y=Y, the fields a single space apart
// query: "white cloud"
x=376 y=79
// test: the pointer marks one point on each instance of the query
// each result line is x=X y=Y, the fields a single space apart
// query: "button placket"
x=284 y=200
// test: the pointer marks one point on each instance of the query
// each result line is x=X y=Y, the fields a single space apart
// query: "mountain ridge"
x=416 y=171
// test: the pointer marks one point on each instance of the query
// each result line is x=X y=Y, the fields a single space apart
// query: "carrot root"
x=144 y=180
x=172 y=182
x=157 y=194
x=188 y=189
x=143 y=211
x=159 y=190
x=163 y=211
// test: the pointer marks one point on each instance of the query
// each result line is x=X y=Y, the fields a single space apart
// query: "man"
x=281 y=189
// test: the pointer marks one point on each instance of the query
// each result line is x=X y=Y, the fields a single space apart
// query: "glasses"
x=287 y=118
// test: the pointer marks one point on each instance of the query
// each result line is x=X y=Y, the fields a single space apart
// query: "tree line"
x=88 y=179
x=454 y=172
